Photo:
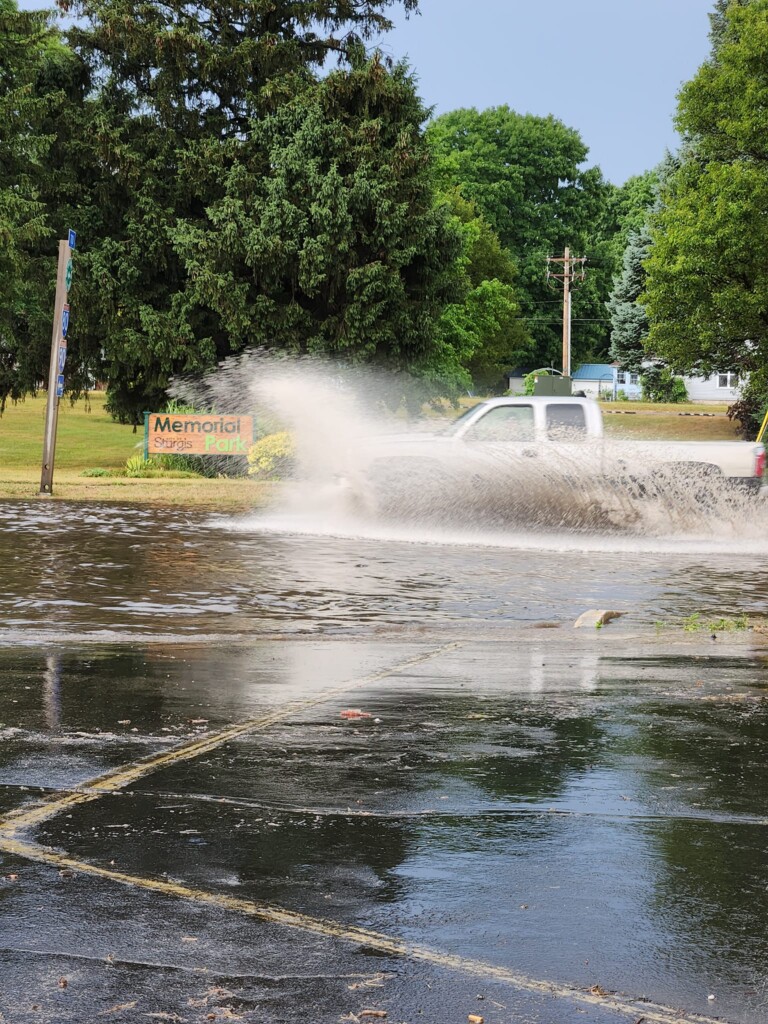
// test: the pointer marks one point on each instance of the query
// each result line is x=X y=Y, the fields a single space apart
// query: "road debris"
x=355 y=713
x=596 y=617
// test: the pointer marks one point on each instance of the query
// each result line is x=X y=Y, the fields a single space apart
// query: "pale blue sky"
x=609 y=68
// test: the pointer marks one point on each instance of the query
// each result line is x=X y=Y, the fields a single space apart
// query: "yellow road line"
x=653 y=1013
x=28 y=816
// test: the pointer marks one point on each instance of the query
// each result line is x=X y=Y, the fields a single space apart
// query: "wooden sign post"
x=58 y=359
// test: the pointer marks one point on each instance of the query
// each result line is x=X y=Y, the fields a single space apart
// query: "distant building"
x=609 y=381
x=596 y=380
x=719 y=387
x=604 y=380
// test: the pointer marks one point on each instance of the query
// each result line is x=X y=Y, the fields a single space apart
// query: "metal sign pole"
x=58 y=357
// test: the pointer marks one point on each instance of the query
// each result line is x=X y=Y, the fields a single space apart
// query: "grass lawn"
x=85 y=440
x=90 y=439
x=686 y=422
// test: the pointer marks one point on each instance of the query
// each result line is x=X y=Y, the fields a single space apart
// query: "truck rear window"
x=566 y=420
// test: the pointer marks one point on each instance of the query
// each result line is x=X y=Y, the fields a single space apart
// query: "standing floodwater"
x=298 y=765
x=117 y=571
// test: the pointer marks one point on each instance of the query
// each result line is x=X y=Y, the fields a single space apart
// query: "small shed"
x=517 y=379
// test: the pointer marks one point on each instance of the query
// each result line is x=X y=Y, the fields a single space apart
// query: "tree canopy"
x=707 y=288
x=248 y=174
x=326 y=238
x=213 y=220
x=484 y=330
x=28 y=46
x=225 y=192
x=527 y=177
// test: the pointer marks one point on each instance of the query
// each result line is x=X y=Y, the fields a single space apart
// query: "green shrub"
x=660 y=385
x=137 y=466
x=272 y=457
x=140 y=468
x=530 y=380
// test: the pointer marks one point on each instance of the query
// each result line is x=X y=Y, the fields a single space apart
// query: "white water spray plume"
x=364 y=468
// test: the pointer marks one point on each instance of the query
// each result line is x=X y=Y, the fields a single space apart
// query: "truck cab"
x=529 y=419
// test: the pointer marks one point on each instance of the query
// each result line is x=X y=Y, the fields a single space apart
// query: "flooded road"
x=526 y=823
x=122 y=571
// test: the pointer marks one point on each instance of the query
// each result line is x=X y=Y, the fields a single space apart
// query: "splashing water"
x=362 y=471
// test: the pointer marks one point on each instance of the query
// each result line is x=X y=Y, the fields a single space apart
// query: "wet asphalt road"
x=534 y=824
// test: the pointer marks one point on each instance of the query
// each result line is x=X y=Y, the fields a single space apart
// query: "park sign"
x=190 y=434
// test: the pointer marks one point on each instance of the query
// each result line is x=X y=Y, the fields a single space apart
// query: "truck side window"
x=505 y=423
x=566 y=421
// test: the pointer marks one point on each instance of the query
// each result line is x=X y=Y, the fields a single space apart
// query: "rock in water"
x=596 y=617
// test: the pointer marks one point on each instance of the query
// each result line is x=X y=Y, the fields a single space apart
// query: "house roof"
x=594 y=371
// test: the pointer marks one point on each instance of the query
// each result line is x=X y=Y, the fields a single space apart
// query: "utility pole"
x=58 y=358
x=571 y=269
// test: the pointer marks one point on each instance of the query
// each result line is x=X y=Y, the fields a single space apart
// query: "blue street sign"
x=72 y=238
x=60 y=385
x=62 y=357
x=65 y=321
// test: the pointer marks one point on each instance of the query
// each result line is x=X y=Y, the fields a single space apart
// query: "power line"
x=575 y=320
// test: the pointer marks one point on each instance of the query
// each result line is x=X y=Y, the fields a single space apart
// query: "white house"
x=720 y=387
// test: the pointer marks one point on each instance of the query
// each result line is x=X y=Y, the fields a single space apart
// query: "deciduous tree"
x=707 y=289
x=527 y=176
x=485 y=330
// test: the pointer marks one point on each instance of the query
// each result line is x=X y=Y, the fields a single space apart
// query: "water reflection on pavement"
x=588 y=812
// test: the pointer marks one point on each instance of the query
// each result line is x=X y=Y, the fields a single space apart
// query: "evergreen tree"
x=185 y=105
x=629 y=320
x=327 y=238
x=28 y=44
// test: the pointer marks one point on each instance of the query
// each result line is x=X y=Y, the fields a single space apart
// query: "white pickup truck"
x=546 y=458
